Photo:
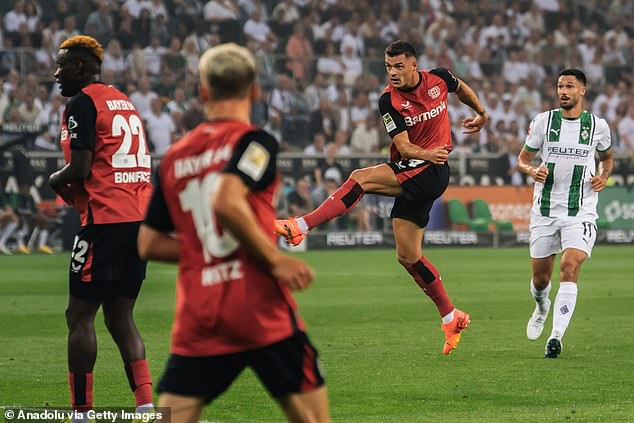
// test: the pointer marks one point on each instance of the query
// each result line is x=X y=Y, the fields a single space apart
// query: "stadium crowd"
x=321 y=64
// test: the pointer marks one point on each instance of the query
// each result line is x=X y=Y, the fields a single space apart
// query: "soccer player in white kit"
x=565 y=197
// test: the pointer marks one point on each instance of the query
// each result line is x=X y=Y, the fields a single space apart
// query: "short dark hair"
x=581 y=77
x=399 y=47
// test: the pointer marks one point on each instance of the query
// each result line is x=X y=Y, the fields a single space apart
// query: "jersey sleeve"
x=254 y=159
x=392 y=119
x=158 y=216
x=535 y=136
x=605 y=136
x=448 y=77
x=81 y=118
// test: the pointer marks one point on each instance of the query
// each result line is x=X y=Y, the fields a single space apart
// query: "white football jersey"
x=567 y=148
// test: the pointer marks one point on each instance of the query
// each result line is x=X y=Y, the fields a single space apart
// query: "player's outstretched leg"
x=538 y=319
x=341 y=201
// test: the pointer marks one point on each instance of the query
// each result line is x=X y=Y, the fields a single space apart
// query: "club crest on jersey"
x=584 y=135
x=434 y=92
x=72 y=123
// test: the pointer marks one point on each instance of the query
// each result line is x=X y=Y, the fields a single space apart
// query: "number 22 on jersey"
x=129 y=127
x=195 y=199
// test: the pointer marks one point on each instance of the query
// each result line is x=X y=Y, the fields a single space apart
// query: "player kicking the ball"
x=414 y=110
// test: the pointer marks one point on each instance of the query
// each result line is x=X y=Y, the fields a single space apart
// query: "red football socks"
x=341 y=201
x=80 y=391
x=140 y=380
x=427 y=277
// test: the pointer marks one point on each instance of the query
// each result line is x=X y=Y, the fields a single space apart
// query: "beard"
x=568 y=104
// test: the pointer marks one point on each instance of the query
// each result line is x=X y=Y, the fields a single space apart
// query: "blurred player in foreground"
x=215 y=190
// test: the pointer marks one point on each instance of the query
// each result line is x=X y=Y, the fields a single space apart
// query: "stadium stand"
x=321 y=62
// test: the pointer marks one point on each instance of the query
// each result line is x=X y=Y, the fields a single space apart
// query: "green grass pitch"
x=379 y=338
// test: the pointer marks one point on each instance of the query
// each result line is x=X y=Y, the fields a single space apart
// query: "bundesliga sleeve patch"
x=389 y=122
x=254 y=161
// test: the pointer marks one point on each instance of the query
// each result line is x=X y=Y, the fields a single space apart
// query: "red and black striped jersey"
x=421 y=111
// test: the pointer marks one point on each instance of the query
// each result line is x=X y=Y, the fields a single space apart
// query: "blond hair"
x=228 y=70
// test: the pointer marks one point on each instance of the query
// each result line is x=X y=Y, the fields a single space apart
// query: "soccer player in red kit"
x=215 y=191
x=107 y=178
x=414 y=111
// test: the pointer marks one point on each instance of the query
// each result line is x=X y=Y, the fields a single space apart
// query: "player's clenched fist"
x=293 y=273
x=540 y=174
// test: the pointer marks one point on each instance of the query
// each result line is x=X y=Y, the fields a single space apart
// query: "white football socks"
x=7 y=231
x=302 y=225
x=541 y=296
x=565 y=302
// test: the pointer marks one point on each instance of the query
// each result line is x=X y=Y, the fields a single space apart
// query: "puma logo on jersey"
x=435 y=112
x=556 y=131
x=406 y=105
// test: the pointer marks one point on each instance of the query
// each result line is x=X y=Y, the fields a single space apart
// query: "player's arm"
x=253 y=168
x=81 y=117
x=154 y=241
x=467 y=96
x=606 y=159
x=533 y=143
x=606 y=165
x=525 y=165
x=397 y=129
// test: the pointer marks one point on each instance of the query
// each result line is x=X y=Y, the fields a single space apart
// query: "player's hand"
x=438 y=155
x=292 y=272
x=598 y=182
x=63 y=190
x=539 y=174
x=474 y=124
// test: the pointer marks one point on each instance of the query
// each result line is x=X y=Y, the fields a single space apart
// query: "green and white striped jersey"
x=567 y=148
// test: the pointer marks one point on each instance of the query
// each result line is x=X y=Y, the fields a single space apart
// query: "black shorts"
x=422 y=184
x=105 y=263
x=286 y=367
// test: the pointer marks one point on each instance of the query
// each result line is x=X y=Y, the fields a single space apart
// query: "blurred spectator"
x=153 y=55
x=365 y=137
x=223 y=16
x=625 y=131
x=12 y=21
x=298 y=201
x=142 y=98
x=300 y=54
x=49 y=120
x=317 y=146
x=257 y=29
x=159 y=127
x=113 y=60
x=28 y=110
x=100 y=23
x=330 y=63
x=323 y=120
x=284 y=16
x=341 y=142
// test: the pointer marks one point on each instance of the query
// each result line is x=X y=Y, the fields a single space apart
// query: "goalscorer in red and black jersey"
x=414 y=111
x=106 y=178
x=215 y=191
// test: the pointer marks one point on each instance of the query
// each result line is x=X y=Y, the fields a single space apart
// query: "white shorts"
x=561 y=234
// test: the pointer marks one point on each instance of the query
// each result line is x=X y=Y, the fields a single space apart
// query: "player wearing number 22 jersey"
x=107 y=179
